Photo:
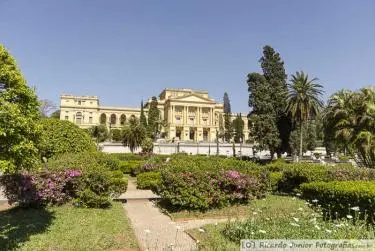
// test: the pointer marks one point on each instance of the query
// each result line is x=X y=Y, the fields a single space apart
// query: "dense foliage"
x=342 y=198
x=153 y=118
x=133 y=134
x=19 y=117
x=149 y=180
x=147 y=145
x=62 y=136
x=350 y=124
x=99 y=133
x=304 y=101
x=200 y=183
x=267 y=98
x=238 y=126
x=228 y=129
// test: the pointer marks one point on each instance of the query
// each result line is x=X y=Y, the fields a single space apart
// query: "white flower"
x=267 y=218
x=178 y=227
x=300 y=209
x=252 y=232
x=259 y=210
x=147 y=231
x=298 y=194
x=338 y=225
x=355 y=208
x=313 y=220
x=262 y=231
x=197 y=241
x=317 y=227
x=294 y=224
x=349 y=216
x=295 y=219
x=215 y=224
x=255 y=213
x=328 y=231
x=293 y=198
x=314 y=201
x=201 y=230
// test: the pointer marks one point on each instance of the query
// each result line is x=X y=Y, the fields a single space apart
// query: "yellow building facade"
x=185 y=114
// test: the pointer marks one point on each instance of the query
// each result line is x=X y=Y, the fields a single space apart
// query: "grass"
x=279 y=217
x=237 y=211
x=66 y=228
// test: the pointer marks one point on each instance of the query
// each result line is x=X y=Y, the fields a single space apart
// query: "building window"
x=78 y=118
x=113 y=119
x=178 y=120
x=191 y=121
x=90 y=120
x=90 y=102
x=122 y=119
x=204 y=121
x=103 y=119
x=66 y=117
x=79 y=102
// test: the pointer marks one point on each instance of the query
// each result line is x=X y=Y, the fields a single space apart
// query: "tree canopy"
x=19 y=117
x=238 y=126
x=62 y=136
x=153 y=117
x=228 y=130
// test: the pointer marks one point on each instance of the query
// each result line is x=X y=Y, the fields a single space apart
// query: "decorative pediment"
x=193 y=98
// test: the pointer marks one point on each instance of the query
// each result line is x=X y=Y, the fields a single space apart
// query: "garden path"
x=155 y=230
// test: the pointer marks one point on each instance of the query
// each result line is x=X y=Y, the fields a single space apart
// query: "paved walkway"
x=156 y=231
x=3 y=199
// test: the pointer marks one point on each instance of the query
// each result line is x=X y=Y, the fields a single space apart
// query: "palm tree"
x=303 y=100
x=133 y=134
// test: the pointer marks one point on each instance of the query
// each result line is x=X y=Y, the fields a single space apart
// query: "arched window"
x=122 y=119
x=79 y=118
x=103 y=119
x=113 y=119
x=132 y=116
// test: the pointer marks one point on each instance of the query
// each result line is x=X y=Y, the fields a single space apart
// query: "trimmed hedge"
x=149 y=180
x=342 y=197
x=130 y=166
x=296 y=174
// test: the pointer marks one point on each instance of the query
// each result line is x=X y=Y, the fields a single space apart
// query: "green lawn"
x=66 y=228
x=278 y=217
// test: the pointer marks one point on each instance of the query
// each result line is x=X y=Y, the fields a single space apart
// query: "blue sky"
x=124 y=51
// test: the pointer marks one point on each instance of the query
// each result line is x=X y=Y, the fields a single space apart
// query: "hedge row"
x=344 y=197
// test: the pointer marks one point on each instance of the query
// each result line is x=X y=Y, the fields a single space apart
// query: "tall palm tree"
x=133 y=134
x=303 y=100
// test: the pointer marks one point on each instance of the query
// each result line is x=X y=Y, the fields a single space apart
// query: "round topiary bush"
x=61 y=136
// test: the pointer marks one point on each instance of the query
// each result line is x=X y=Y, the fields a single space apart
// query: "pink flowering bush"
x=36 y=189
x=201 y=190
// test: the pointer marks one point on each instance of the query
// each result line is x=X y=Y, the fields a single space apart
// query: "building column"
x=199 y=115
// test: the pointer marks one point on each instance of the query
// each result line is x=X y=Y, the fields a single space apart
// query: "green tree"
x=274 y=73
x=116 y=135
x=238 y=125
x=350 y=117
x=62 y=136
x=304 y=101
x=133 y=134
x=262 y=118
x=143 y=119
x=19 y=117
x=153 y=117
x=100 y=133
x=55 y=114
x=147 y=145
x=309 y=134
x=228 y=130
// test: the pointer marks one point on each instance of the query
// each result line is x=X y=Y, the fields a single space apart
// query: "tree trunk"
x=300 y=143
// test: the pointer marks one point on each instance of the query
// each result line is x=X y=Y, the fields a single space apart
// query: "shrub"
x=343 y=197
x=116 y=135
x=201 y=190
x=41 y=188
x=88 y=198
x=298 y=173
x=130 y=166
x=149 y=180
x=129 y=156
x=274 y=179
x=62 y=136
x=147 y=145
